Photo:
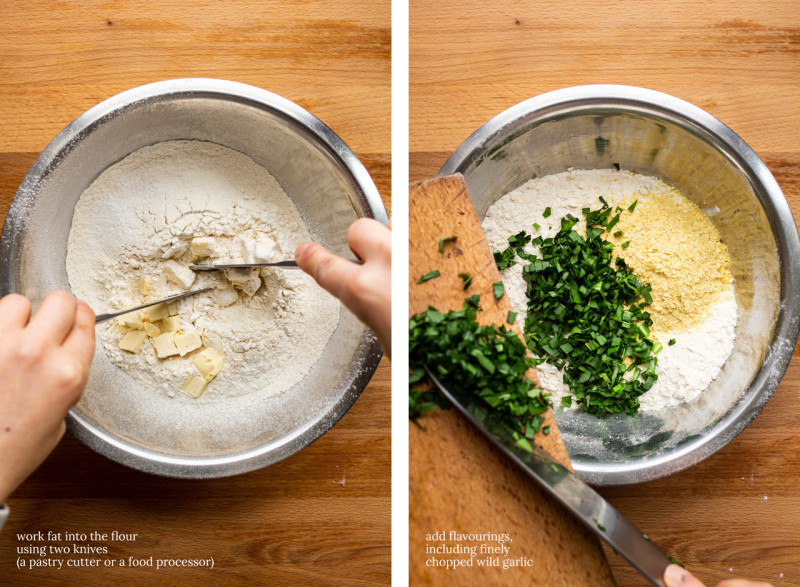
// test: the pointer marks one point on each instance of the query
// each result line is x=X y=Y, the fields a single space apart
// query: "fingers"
x=55 y=318
x=80 y=340
x=369 y=239
x=15 y=311
x=330 y=271
x=677 y=576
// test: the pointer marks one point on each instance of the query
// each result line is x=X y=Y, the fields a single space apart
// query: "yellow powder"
x=676 y=249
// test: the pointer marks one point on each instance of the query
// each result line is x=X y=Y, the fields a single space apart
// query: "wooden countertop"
x=290 y=523
x=737 y=512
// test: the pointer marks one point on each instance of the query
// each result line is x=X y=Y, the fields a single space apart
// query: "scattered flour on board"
x=684 y=369
x=145 y=210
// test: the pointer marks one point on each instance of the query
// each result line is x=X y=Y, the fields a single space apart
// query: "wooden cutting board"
x=457 y=482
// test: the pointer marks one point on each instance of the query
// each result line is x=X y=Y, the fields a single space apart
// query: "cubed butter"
x=225 y=296
x=156 y=313
x=151 y=329
x=260 y=249
x=186 y=341
x=132 y=341
x=131 y=320
x=209 y=362
x=178 y=274
x=172 y=307
x=203 y=246
x=165 y=345
x=245 y=280
x=169 y=323
x=194 y=385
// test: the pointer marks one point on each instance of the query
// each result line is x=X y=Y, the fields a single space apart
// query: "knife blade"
x=582 y=501
x=103 y=317
x=280 y=264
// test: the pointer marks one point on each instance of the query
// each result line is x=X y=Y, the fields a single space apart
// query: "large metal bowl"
x=323 y=177
x=594 y=127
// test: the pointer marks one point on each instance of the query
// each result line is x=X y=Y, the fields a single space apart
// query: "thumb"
x=677 y=576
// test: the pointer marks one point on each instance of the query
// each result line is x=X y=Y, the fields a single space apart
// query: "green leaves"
x=446 y=240
x=428 y=276
x=588 y=316
x=487 y=361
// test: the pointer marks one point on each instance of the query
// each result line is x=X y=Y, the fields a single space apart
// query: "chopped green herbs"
x=446 y=240
x=616 y=166
x=632 y=207
x=536 y=225
x=512 y=317
x=587 y=315
x=428 y=276
x=466 y=278
x=546 y=213
x=626 y=244
x=599 y=525
x=671 y=341
x=546 y=430
x=487 y=361
x=498 y=290
x=618 y=234
x=673 y=561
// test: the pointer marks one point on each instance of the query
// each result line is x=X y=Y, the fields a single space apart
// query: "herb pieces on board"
x=587 y=315
x=444 y=241
x=428 y=276
x=486 y=361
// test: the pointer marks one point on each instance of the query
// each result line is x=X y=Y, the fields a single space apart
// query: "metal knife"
x=103 y=317
x=281 y=264
x=584 y=502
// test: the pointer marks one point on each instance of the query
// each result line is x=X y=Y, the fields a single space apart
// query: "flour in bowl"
x=137 y=227
x=670 y=244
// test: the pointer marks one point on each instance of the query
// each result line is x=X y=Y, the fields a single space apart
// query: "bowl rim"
x=635 y=100
x=117 y=448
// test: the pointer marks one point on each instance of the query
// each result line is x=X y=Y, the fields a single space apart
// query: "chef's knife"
x=580 y=499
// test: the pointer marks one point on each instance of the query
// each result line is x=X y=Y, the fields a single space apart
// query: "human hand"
x=676 y=576
x=44 y=365
x=365 y=289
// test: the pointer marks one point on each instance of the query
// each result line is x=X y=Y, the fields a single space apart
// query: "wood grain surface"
x=457 y=481
x=293 y=522
x=738 y=512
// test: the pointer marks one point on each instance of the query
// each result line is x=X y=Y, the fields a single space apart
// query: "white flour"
x=684 y=369
x=145 y=210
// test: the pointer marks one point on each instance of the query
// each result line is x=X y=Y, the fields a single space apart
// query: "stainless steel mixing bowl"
x=595 y=127
x=323 y=177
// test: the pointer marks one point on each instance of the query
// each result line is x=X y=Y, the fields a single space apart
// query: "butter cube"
x=151 y=329
x=179 y=274
x=172 y=307
x=165 y=345
x=209 y=362
x=132 y=341
x=186 y=341
x=245 y=280
x=194 y=385
x=225 y=296
x=145 y=285
x=261 y=249
x=131 y=320
x=156 y=313
x=169 y=323
x=203 y=246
